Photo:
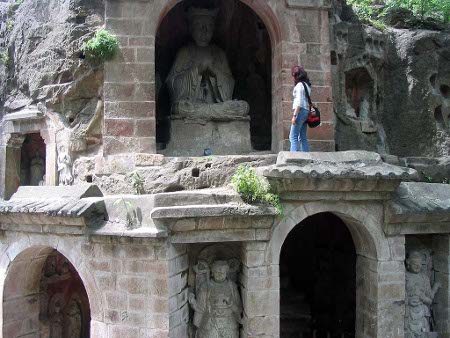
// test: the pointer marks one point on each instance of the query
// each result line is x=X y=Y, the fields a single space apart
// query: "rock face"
x=42 y=60
x=392 y=89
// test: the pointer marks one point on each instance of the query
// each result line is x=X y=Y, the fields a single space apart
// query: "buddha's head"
x=220 y=270
x=202 y=24
x=414 y=262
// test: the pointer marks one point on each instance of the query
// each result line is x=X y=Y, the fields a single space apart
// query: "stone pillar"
x=51 y=155
x=129 y=89
x=260 y=290
x=441 y=262
x=10 y=167
x=308 y=46
x=178 y=291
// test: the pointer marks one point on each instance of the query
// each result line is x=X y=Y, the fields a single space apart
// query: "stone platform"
x=192 y=137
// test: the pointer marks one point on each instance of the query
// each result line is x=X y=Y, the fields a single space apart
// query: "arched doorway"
x=244 y=38
x=318 y=279
x=44 y=296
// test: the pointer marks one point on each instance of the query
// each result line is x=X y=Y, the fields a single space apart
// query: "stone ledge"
x=418 y=208
x=336 y=171
x=218 y=210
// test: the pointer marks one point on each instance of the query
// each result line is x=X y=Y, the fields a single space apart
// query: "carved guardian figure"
x=217 y=305
x=419 y=297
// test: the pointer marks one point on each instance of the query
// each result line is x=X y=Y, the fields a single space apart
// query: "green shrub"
x=4 y=58
x=253 y=188
x=102 y=47
x=369 y=11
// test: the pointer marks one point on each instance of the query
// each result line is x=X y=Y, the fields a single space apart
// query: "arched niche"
x=318 y=279
x=43 y=295
x=242 y=34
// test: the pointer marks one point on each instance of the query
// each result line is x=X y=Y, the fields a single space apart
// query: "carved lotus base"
x=191 y=138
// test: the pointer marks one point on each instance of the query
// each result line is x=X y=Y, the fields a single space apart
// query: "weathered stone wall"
x=127 y=280
x=390 y=88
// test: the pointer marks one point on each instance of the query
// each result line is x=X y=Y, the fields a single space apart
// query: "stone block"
x=119 y=127
x=136 y=10
x=289 y=60
x=116 y=300
x=133 y=285
x=145 y=127
x=309 y=33
x=119 y=145
x=149 y=160
x=122 y=331
x=146 y=55
x=119 y=91
x=130 y=109
x=141 y=41
x=128 y=26
x=147 y=145
x=129 y=72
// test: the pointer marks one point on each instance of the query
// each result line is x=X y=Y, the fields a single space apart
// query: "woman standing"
x=300 y=109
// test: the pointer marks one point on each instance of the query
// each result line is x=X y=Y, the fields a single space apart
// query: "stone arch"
x=365 y=229
x=32 y=254
x=261 y=8
x=373 y=256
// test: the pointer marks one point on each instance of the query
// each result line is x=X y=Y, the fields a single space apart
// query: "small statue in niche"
x=200 y=82
x=73 y=320
x=36 y=169
x=64 y=167
x=56 y=316
x=419 y=297
x=217 y=304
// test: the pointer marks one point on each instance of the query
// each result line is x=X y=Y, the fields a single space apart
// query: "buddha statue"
x=200 y=81
x=204 y=116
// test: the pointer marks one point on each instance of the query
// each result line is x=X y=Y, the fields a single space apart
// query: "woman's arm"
x=294 y=117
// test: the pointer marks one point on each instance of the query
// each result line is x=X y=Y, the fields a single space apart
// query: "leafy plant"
x=4 y=58
x=253 y=188
x=138 y=183
x=134 y=217
x=10 y=25
x=102 y=47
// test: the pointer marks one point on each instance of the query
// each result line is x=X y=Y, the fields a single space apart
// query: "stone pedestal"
x=191 y=137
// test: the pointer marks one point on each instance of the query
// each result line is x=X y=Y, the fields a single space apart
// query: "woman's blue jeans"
x=298 y=132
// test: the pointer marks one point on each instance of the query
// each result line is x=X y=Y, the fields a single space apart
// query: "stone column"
x=10 y=167
x=260 y=288
x=441 y=262
x=129 y=90
x=307 y=45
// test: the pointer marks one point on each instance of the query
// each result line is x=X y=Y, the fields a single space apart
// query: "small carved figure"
x=218 y=305
x=419 y=294
x=36 y=169
x=56 y=316
x=200 y=81
x=64 y=167
x=73 y=320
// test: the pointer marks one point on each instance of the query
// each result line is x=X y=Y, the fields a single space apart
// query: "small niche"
x=196 y=172
x=438 y=115
x=445 y=91
x=32 y=160
x=89 y=178
x=208 y=165
x=359 y=88
x=433 y=80
x=333 y=58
